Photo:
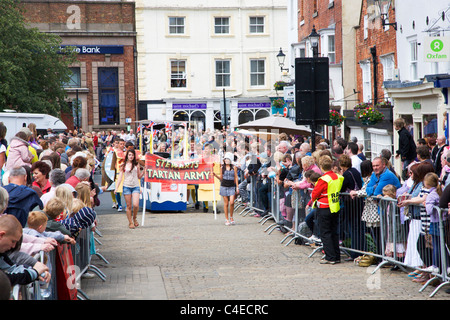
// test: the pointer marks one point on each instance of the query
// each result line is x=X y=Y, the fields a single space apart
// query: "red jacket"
x=320 y=191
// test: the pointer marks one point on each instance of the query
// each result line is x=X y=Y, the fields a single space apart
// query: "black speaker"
x=312 y=90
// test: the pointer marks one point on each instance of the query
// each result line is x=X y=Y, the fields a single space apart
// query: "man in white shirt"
x=352 y=152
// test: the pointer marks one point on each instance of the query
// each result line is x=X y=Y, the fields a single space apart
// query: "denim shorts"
x=130 y=190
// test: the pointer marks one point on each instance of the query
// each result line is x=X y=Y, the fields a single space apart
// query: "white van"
x=15 y=121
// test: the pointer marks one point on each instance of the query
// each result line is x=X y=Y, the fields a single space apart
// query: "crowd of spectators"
x=48 y=193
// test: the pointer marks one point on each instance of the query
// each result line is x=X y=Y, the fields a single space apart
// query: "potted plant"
x=362 y=105
x=279 y=85
x=368 y=115
x=336 y=118
x=278 y=103
x=384 y=104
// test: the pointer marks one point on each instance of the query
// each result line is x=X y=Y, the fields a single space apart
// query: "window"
x=256 y=24
x=257 y=72
x=379 y=140
x=388 y=67
x=331 y=49
x=223 y=73
x=367 y=88
x=413 y=60
x=176 y=25
x=302 y=10
x=366 y=26
x=221 y=25
x=75 y=79
x=178 y=74
x=108 y=91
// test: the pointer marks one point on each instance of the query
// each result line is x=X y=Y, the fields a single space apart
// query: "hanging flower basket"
x=368 y=116
x=279 y=85
x=335 y=118
x=362 y=105
x=278 y=103
x=384 y=104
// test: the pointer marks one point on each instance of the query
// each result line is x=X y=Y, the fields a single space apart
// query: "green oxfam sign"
x=436 y=49
x=437 y=45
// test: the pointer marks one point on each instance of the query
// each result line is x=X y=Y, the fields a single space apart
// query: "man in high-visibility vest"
x=325 y=197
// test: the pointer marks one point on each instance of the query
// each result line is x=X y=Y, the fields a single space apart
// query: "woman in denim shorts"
x=131 y=173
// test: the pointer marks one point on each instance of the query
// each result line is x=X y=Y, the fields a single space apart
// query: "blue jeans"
x=131 y=190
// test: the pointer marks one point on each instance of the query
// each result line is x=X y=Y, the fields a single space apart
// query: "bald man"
x=10 y=238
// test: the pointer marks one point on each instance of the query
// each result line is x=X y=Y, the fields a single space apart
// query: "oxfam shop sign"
x=436 y=49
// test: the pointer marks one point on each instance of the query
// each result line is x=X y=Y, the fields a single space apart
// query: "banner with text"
x=158 y=169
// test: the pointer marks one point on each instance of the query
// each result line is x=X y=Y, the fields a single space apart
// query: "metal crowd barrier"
x=372 y=226
x=82 y=253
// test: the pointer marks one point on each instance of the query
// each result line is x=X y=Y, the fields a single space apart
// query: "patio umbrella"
x=276 y=124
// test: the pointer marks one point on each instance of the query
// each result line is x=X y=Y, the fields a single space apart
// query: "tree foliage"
x=32 y=66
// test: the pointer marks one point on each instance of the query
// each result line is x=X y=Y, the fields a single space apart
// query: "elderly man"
x=381 y=177
x=305 y=149
x=283 y=146
x=79 y=176
x=436 y=154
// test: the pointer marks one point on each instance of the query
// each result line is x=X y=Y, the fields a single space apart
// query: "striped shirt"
x=424 y=216
x=83 y=219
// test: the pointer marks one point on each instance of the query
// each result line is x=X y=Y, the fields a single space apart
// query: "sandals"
x=136 y=224
x=227 y=223
x=413 y=274
x=131 y=226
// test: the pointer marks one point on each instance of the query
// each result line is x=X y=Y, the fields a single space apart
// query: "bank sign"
x=93 y=49
x=436 y=49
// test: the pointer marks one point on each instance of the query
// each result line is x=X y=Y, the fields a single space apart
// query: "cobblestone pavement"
x=193 y=256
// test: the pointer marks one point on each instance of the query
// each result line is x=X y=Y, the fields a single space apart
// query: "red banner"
x=158 y=169
x=65 y=273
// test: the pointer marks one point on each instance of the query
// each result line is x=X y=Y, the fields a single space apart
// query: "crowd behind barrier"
x=384 y=217
x=387 y=222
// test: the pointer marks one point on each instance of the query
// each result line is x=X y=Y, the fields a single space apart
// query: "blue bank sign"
x=94 y=49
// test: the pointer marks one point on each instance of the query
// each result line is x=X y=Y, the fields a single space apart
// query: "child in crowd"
x=82 y=217
x=53 y=209
x=37 y=224
x=431 y=181
x=64 y=194
x=393 y=234
x=311 y=219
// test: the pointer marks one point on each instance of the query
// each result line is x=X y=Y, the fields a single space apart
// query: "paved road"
x=192 y=256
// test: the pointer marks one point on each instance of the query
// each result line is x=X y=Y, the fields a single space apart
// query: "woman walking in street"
x=131 y=173
x=228 y=187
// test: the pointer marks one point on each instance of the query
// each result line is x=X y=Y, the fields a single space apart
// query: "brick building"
x=326 y=18
x=104 y=78
x=376 y=61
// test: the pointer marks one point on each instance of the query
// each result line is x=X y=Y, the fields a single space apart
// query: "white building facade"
x=193 y=53
x=420 y=95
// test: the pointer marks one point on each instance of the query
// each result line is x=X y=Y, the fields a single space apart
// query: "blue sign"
x=93 y=49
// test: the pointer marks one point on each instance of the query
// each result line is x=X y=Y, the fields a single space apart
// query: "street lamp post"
x=314 y=40
x=281 y=57
x=383 y=6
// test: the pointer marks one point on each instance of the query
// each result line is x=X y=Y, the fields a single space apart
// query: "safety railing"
x=406 y=238
x=82 y=253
